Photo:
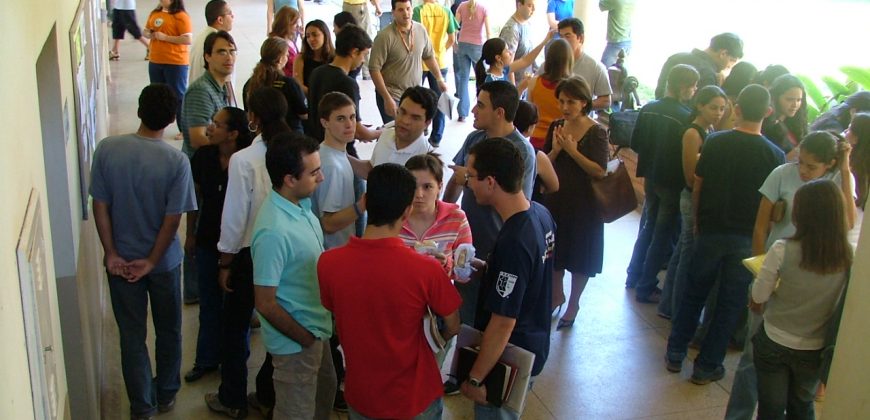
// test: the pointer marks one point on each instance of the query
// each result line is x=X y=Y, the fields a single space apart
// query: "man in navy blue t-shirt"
x=516 y=290
x=732 y=167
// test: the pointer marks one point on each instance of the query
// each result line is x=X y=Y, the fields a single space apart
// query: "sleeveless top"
x=544 y=97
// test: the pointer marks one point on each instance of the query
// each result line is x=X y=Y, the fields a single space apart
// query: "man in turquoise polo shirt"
x=286 y=244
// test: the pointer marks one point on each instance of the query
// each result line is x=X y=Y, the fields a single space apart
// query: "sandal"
x=564 y=323
x=114 y=56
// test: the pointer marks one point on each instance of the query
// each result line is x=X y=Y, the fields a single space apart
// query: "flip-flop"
x=113 y=56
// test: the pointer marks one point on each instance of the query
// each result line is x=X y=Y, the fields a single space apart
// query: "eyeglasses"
x=469 y=175
x=226 y=53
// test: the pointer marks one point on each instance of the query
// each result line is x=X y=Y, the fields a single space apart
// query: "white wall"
x=25 y=27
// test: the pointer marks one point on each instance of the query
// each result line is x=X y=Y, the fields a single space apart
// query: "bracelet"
x=356 y=210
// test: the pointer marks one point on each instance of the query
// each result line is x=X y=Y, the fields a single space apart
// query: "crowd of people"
x=338 y=259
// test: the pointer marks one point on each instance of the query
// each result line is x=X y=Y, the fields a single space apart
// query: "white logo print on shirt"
x=505 y=284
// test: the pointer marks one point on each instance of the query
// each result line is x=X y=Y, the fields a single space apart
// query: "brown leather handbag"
x=614 y=193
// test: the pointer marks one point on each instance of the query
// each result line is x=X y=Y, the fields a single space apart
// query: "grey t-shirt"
x=334 y=193
x=400 y=68
x=518 y=39
x=142 y=180
x=484 y=220
x=595 y=74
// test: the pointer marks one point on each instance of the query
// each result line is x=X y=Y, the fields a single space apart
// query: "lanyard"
x=409 y=44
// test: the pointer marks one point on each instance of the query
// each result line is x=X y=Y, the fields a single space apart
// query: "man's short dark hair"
x=284 y=156
x=350 y=37
x=332 y=101
x=754 y=103
x=389 y=191
x=157 y=104
x=575 y=24
x=503 y=95
x=210 y=40
x=728 y=42
x=682 y=76
x=423 y=96
x=499 y=158
x=213 y=10
x=393 y=3
x=342 y=19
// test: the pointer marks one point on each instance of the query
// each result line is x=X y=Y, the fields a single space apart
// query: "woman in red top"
x=170 y=31
x=286 y=25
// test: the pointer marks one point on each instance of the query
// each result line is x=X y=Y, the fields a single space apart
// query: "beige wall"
x=26 y=26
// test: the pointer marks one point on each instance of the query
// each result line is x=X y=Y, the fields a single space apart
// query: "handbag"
x=621 y=126
x=614 y=194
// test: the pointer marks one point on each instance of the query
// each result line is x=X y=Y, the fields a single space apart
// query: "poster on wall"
x=84 y=62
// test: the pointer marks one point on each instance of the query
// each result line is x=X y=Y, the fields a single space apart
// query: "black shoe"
x=702 y=377
x=673 y=366
x=340 y=404
x=166 y=407
x=198 y=372
x=654 y=297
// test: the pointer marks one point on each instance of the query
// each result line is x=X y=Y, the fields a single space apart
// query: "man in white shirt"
x=218 y=17
x=404 y=137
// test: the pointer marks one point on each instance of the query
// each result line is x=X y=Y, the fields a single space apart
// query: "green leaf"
x=812 y=113
x=837 y=89
x=860 y=75
x=813 y=92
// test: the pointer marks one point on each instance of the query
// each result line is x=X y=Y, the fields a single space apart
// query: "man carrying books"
x=516 y=290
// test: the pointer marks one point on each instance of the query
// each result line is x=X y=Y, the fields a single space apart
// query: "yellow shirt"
x=438 y=21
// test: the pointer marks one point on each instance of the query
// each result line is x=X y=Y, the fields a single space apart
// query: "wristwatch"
x=474 y=382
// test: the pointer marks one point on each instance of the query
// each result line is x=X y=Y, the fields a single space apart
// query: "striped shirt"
x=449 y=231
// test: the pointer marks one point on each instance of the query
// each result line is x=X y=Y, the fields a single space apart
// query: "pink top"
x=471 y=30
x=449 y=231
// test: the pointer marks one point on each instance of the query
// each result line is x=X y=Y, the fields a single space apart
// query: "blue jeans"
x=611 y=52
x=385 y=19
x=433 y=412
x=237 y=310
x=787 y=379
x=714 y=254
x=438 y=120
x=644 y=235
x=465 y=55
x=744 y=390
x=173 y=75
x=211 y=298
x=678 y=267
x=130 y=305
x=664 y=234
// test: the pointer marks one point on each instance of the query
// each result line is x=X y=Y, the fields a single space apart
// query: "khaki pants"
x=305 y=383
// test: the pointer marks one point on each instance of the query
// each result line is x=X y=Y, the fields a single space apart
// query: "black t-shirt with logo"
x=518 y=281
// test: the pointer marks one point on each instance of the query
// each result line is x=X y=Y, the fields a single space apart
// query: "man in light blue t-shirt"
x=333 y=202
x=287 y=242
x=141 y=186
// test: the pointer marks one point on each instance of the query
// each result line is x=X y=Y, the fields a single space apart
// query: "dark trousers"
x=237 y=310
x=715 y=255
x=787 y=379
x=265 y=386
x=644 y=235
x=663 y=236
x=438 y=121
x=380 y=102
x=208 y=340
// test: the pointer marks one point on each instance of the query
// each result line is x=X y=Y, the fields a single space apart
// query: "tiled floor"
x=608 y=366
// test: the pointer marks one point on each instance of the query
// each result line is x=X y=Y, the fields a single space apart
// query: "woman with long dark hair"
x=542 y=89
x=500 y=60
x=227 y=133
x=169 y=29
x=787 y=125
x=317 y=50
x=268 y=73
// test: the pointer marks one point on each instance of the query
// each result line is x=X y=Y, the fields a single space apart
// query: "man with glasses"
x=210 y=92
x=517 y=285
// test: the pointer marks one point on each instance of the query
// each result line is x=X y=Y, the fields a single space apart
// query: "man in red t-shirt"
x=378 y=289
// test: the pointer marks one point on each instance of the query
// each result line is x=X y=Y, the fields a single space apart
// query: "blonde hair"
x=472 y=8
